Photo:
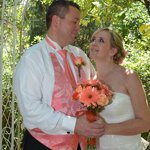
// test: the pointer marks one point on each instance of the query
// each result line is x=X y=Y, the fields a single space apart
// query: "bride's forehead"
x=102 y=34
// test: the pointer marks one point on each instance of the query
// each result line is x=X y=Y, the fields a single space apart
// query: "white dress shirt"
x=34 y=83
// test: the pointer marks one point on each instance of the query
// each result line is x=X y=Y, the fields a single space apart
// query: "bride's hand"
x=100 y=119
x=90 y=129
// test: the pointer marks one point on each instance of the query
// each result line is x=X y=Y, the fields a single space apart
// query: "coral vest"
x=62 y=101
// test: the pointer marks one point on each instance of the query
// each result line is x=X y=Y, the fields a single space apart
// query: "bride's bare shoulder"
x=127 y=74
x=130 y=75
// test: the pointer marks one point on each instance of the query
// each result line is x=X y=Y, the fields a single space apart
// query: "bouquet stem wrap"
x=91 y=142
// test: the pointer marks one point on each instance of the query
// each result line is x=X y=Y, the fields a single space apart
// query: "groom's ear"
x=55 y=21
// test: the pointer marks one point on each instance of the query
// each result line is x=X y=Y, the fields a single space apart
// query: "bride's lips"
x=94 y=50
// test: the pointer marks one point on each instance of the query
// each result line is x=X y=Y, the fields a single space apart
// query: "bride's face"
x=100 y=46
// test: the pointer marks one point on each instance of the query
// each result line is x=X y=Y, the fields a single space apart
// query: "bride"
x=128 y=115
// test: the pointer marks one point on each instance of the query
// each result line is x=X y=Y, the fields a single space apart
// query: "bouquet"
x=94 y=95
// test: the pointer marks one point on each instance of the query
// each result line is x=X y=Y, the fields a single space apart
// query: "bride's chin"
x=93 y=54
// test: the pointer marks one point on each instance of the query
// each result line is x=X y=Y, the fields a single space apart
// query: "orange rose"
x=103 y=100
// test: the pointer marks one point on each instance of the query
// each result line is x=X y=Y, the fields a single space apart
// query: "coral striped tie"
x=68 y=70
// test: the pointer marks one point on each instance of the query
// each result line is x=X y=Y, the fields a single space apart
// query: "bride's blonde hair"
x=116 y=42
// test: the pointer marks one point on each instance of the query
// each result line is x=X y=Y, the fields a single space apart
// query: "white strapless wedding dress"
x=118 y=111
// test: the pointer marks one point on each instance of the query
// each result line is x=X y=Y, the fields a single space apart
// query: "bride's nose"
x=93 y=42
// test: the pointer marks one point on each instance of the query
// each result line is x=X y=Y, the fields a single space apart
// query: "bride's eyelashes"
x=97 y=40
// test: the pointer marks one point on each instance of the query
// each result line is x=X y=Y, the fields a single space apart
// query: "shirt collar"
x=54 y=44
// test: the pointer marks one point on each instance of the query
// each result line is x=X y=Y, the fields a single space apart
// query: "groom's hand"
x=90 y=129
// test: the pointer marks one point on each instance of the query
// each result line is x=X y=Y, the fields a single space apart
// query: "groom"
x=44 y=88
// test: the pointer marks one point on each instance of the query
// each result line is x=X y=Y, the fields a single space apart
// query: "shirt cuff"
x=69 y=124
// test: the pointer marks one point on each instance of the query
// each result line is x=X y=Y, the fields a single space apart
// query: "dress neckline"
x=121 y=94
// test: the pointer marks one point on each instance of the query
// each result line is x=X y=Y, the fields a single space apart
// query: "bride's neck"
x=105 y=69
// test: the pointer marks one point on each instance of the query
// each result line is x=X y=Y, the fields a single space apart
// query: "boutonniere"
x=78 y=61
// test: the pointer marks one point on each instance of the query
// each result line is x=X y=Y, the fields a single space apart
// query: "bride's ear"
x=114 y=51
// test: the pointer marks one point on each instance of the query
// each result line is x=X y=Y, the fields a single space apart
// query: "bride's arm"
x=141 y=123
